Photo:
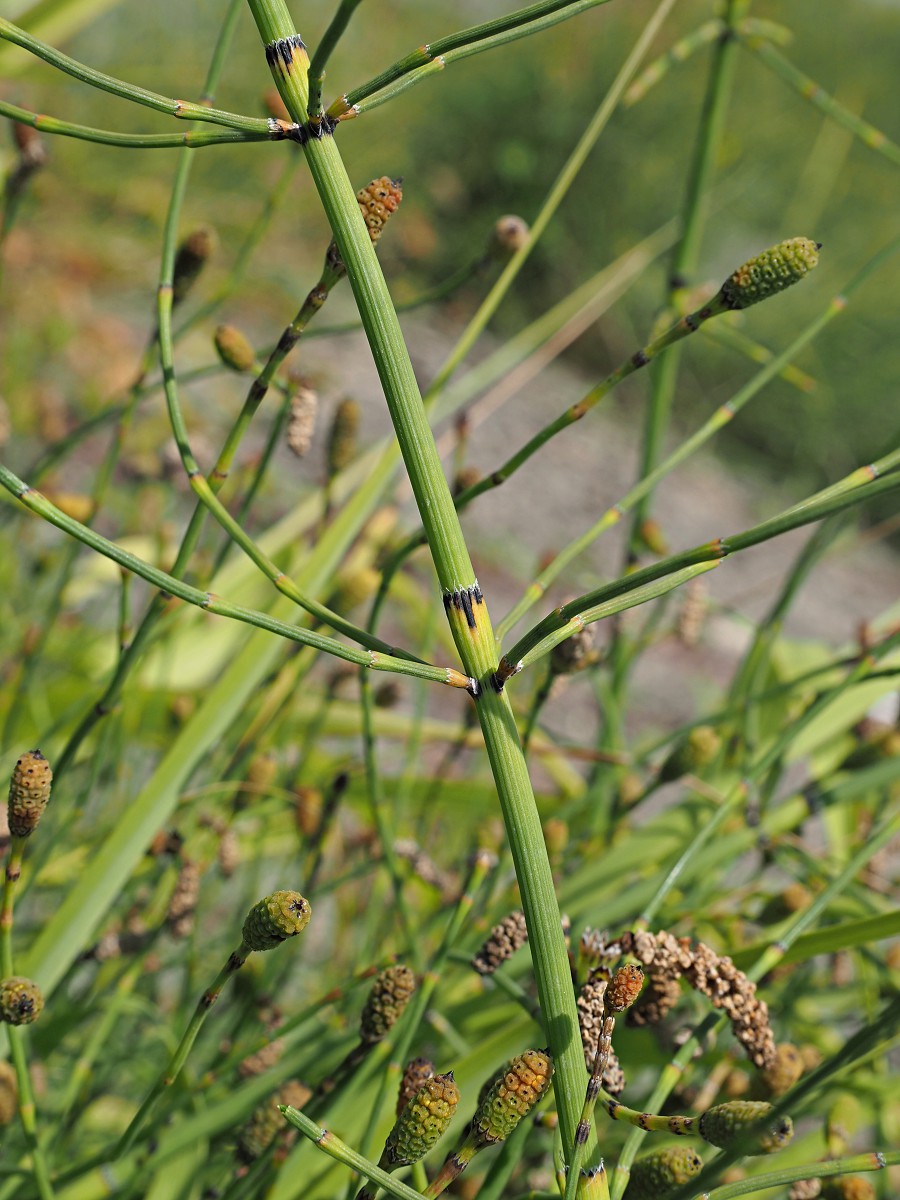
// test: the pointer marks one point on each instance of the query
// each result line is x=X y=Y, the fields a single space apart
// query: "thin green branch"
x=685 y=258
x=168 y=584
x=324 y=50
x=342 y=1153
x=136 y=141
x=182 y=109
x=503 y=29
x=721 y=417
x=872 y=1161
x=817 y=96
x=865 y=484
x=552 y=201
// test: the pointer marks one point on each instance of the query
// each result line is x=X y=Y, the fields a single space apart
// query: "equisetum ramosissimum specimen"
x=239 y=779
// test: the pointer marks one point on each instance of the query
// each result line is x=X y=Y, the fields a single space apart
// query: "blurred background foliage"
x=506 y=121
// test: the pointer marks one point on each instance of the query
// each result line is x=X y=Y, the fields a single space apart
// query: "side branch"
x=129 y=91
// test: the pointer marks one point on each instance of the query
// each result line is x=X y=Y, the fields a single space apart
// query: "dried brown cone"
x=692 y=615
x=29 y=793
x=263 y=1060
x=390 y=994
x=505 y=939
x=416 y=1074
x=576 y=653
x=342 y=436
x=510 y=233
x=302 y=420
x=731 y=991
x=228 y=854
x=377 y=201
x=9 y=1093
x=183 y=903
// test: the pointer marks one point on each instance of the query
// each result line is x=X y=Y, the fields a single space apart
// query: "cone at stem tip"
x=770 y=272
x=29 y=793
x=274 y=919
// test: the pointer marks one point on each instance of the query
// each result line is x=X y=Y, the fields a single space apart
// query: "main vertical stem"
x=463 y=600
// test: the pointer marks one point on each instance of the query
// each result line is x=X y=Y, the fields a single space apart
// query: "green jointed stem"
x=342 y=1153
x=503 y=29
x=324 y=50
x=872 y=1161
x=466 y=609
x=210 y=603
x=765 y=275
x=135 y=141
x=817 y=96
x=866 y=484
x=686 y=256
x=118 y=87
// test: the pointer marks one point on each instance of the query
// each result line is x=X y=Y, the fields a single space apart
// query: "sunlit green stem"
x=467 y=612
x=179 y=1057
x=340 y=1151
x=771 y=1180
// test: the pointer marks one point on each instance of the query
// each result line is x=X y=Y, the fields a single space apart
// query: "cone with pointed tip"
x=770 y=272
x=729 y=1124
x=29 y=793
x=274 y=919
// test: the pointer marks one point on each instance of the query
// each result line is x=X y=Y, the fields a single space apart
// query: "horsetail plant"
x=730 y=780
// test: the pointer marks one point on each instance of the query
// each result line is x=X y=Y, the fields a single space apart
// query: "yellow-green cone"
x=29 y=793
x=274 y=919
x=727 y=1125
x=234 y=349
x=513 y=1094
x=422 y=1123
x=342 y=436
x=770 y=272
x=21 y=1001
x=654 y=1177
x=389 y=996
